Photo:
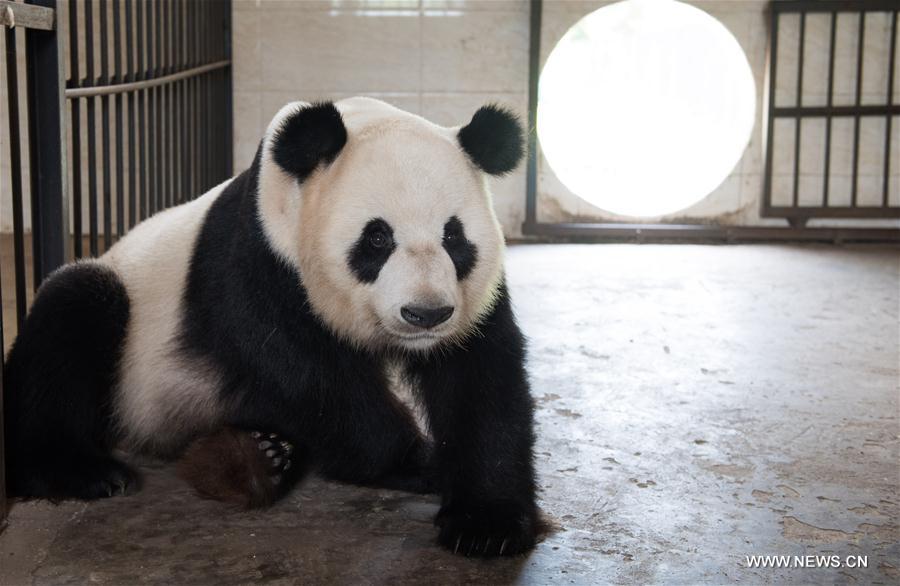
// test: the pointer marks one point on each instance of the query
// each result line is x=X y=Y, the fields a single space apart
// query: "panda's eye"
x=453 y=232
x=379 y=239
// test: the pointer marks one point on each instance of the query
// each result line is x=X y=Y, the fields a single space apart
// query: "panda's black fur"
x=282 y=370
x=58 y=382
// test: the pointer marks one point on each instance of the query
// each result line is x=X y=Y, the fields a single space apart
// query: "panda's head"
x=387 y=217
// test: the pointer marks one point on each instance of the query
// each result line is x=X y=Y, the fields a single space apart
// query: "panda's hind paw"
x=277 y=452
x=249 y=468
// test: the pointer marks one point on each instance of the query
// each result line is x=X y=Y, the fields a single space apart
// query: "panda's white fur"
x=162 y=397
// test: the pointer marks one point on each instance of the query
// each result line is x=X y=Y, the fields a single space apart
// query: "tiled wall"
x=439 y=58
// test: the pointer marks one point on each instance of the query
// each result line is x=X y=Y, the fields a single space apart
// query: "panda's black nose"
x=425 y=317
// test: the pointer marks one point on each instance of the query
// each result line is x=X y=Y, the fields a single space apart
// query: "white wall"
x=438 y=58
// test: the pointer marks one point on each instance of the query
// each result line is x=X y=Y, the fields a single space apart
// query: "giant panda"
x=339 y=307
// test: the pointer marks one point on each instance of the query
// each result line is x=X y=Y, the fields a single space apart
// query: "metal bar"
x=229 y=96
x=49 y=201
x=76 y=135
x=173 y=109
x=178 y=144
x=132 y=142
x=830 y=103
x=151 y=112
x=185 y=101
x=14 y=14
x=166 y=100
x=3 y=506
x=218 y=97
x=162 y=7
x=224 y=91
x=204 y=144
x=104 y=125
x=15 y=162
x=785 y=6
x=702 y=232
x=193 y=110
x=872 y=211
x=157 y=34
x=837 y=111
x=119 y=76
x=534 y=71
x=892 y=60
x=91 y=129
x=156 y=162
x=213 y=95
x=142 y=111
x=859 y=78
x=798 y=122
x=769 y=138
x=204 y=81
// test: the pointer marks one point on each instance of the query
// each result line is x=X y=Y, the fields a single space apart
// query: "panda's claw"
x=255 y=434
x=277 y=452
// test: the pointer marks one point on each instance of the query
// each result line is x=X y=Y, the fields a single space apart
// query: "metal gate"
x=785 y=122
x=127 y=112
x=796 y=212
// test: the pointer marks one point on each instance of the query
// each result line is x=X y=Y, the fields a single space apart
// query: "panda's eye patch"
x=462 y=252
x=371 y=250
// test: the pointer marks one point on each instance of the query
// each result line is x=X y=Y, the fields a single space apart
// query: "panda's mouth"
x=411 y=337
x=422 y=336
x=418 y=340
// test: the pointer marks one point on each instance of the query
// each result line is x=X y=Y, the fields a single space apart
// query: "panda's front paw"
x=487 y=529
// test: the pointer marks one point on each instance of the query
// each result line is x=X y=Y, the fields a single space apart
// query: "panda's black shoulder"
x=235 y=282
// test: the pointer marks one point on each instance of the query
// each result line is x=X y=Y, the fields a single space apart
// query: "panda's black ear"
x=493 y=139
x=308 y=137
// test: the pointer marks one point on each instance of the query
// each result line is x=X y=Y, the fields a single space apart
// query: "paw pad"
x=277 y=452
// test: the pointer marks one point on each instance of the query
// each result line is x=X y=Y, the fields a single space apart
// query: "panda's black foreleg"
x=58 y=383
x=370 y=440
x=481 y=415
x=413 y=471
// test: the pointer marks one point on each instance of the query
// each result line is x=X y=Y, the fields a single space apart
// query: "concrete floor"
x=696 y=404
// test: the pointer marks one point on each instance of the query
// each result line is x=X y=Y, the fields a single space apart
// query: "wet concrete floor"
x=696 y=405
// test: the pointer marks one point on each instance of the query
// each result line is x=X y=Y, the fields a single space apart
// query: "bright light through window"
x=645 y=107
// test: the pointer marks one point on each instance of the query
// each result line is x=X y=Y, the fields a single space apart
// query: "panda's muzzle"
x=425 y=317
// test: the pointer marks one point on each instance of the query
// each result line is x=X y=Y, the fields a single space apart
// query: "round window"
x=645 y=107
